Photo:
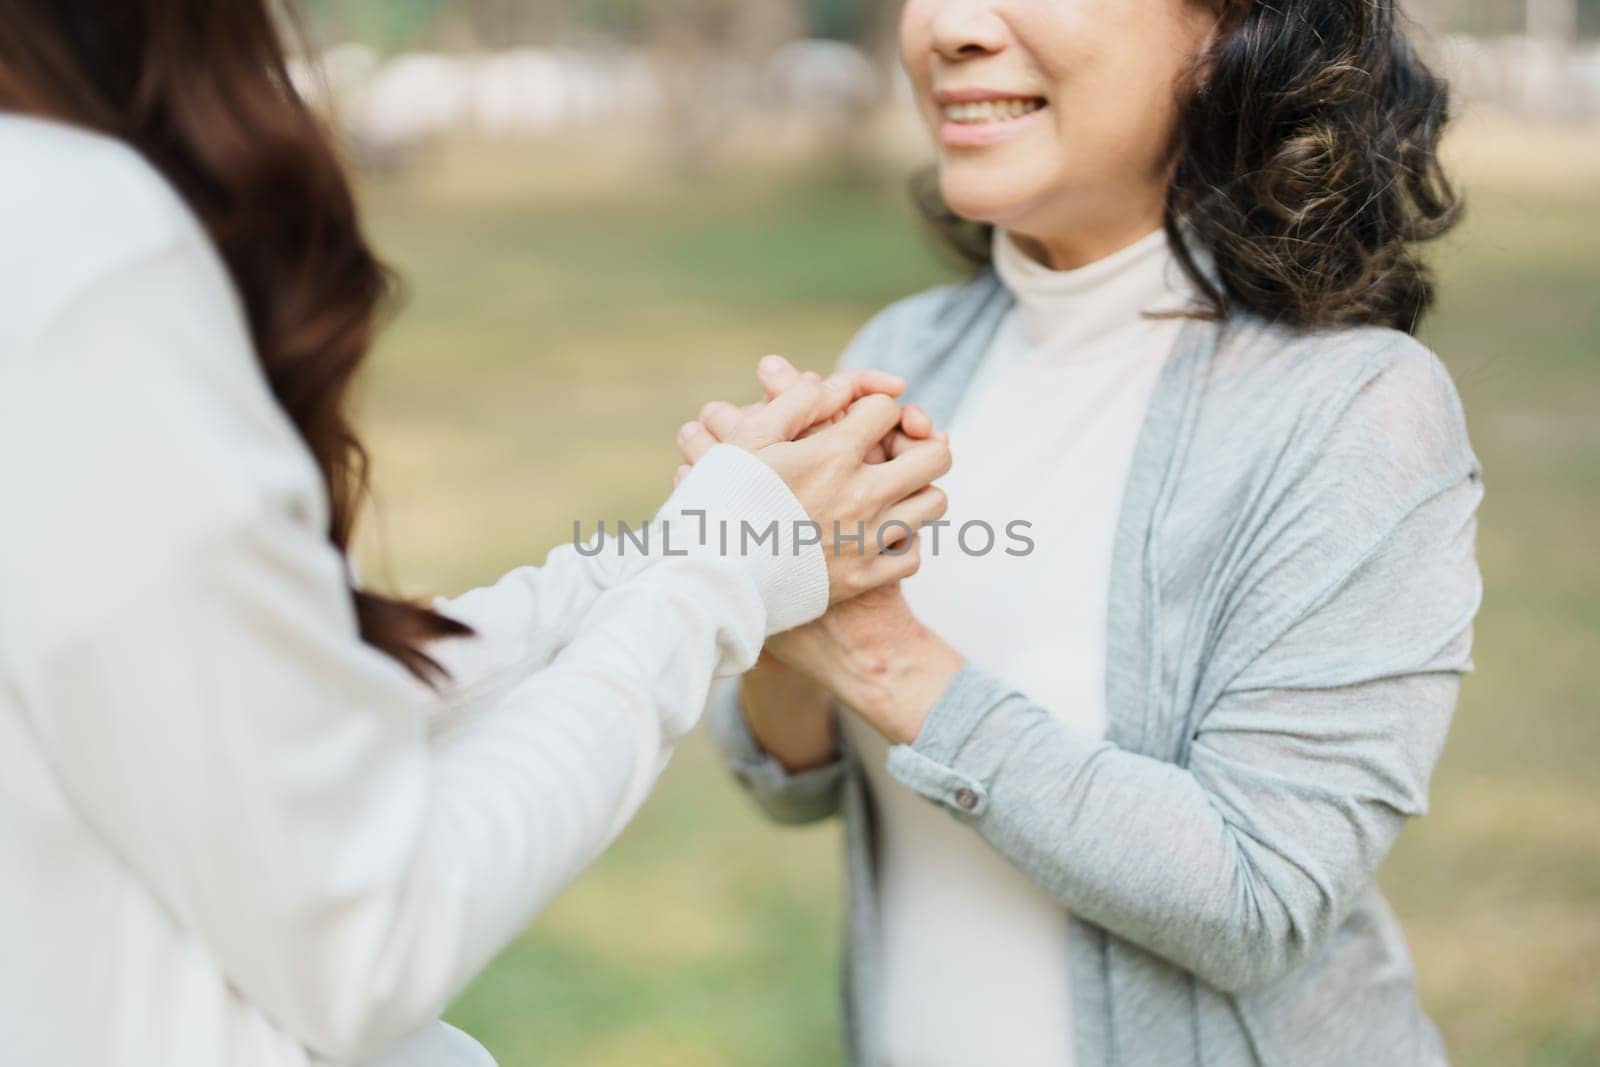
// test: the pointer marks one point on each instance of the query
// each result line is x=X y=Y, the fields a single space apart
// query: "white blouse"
x=231 y=832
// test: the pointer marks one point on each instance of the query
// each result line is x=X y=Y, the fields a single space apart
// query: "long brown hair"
x=1306 y=163
x=201 y=88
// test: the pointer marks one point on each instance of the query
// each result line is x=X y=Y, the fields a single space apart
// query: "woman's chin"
x=979 y=200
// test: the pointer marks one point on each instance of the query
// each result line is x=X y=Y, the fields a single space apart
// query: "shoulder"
x=1304 y=451
x=74 y=206
x=1319 y=361
x=1328 y=470
x=1369 y=396
x=131 y=398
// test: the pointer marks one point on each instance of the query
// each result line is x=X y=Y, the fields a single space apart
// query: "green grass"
x=559 y=330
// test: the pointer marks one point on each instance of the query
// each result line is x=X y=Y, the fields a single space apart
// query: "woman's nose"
x=968 y=29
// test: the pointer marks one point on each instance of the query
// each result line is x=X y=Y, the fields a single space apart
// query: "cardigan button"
x=966 y=799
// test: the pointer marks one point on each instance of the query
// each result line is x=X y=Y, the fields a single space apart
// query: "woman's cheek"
x=915 y=43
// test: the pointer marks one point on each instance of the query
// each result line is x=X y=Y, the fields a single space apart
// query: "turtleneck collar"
x=1068 y=311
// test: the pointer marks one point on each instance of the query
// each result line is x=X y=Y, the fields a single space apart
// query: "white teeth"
x=991 y=111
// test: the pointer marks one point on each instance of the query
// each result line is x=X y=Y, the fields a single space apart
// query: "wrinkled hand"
x=722 y=422
x=843 y=641
x=875 y=658
x=828 y=473
x=869 y=652
x=719 y=420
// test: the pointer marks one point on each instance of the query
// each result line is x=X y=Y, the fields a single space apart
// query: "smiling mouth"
x=982 y=112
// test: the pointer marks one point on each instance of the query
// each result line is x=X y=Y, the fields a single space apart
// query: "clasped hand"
x=852 y=455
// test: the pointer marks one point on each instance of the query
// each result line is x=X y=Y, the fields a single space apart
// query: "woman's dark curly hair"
x=1305 y=161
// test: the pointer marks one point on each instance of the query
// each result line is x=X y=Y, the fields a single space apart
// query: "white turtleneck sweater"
x=975 y=954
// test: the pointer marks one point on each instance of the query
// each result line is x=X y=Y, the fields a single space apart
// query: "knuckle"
x=810 y=398
x=855 y=581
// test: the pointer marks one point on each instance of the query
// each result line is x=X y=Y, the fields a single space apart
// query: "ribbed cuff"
x=733 y=506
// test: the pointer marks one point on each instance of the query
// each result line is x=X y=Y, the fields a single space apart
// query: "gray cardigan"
x=1292 y=594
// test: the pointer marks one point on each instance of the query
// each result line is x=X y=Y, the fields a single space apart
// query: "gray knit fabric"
x=1292 y=595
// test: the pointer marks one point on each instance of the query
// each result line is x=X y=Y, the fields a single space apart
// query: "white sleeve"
x=193 y=670
x=519 y=624
x=525 y=619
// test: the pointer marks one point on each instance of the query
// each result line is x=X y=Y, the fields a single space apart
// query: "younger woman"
x=234 y=829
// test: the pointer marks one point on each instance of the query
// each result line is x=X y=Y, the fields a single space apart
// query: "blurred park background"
x=606 y=210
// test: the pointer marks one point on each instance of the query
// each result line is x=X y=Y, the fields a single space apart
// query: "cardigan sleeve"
x=792 y=798
x=181 y=639
x=1240 y=864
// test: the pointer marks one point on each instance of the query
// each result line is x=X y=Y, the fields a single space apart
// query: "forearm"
x=519 y=625
x=789 y=716
x=790 y=797
x=377 y=876
x=895 y=683
x=1235 y=867
x=1123 y=841
x=523 y=620
x=568 y=757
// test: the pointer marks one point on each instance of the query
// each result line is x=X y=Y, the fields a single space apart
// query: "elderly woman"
x=1120 y=795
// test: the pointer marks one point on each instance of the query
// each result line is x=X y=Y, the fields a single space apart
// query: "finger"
x=887 y=568
x=916 y=422
x=916 y=465
x=898 y=443
x=722 y=419
x=694 y=441
x=776 y=374
x=867 y=382
x=682 y=473
x=868 y=421
x=791 y=413
x=924 y=506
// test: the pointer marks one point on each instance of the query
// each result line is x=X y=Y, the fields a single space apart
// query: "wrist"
x=894 y=686
x=728 y=491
